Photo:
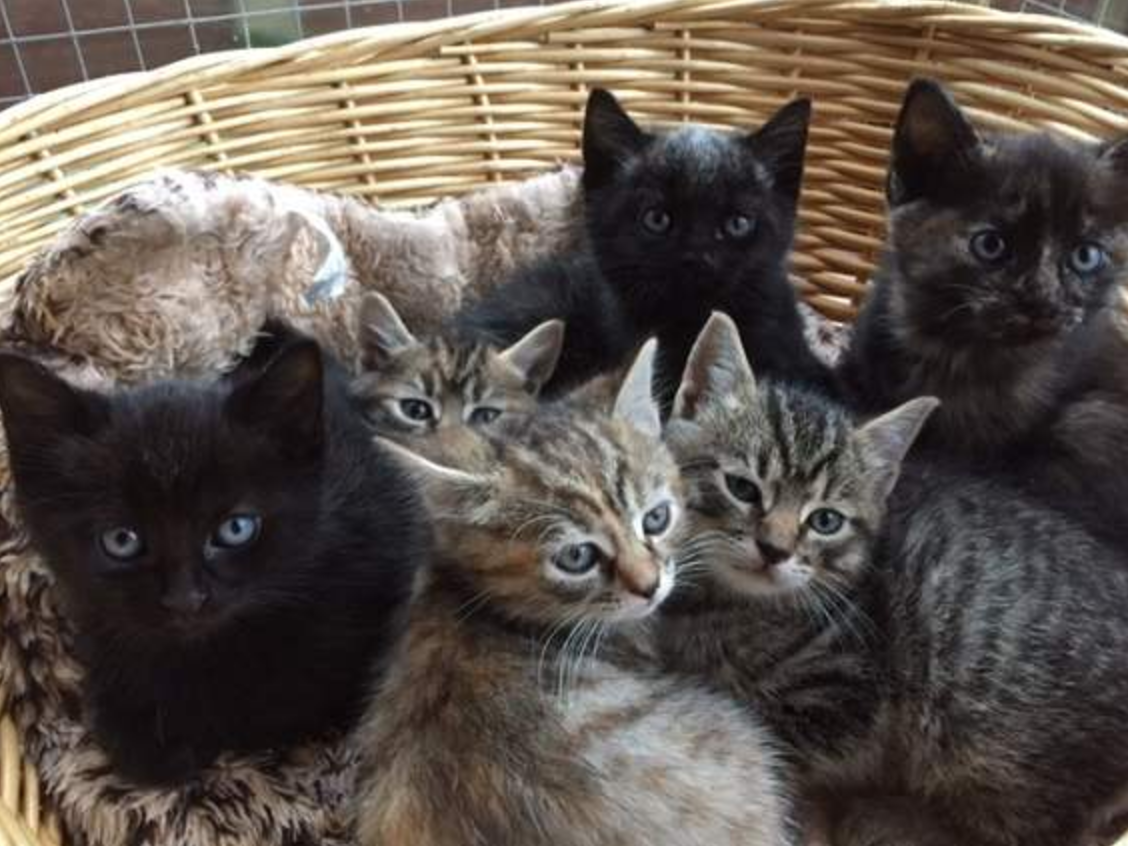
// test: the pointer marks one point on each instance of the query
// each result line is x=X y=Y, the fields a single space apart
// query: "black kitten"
x=996 y=295
x=233 y=554
x=678 y=224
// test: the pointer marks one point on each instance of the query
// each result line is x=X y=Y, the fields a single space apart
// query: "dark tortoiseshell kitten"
x=998 y=294
x=677 y=224
x=431 y=395
x=234 y=555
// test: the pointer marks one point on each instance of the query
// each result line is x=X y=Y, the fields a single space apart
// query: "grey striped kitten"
x=502 y=723
x=434 y=394
x=955 y=672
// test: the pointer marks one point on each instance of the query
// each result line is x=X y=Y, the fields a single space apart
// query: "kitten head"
x=1002 y=238
x=431 y=395
x=563 y=517
x=784 y=491
x=689 y=212
x=167 y=510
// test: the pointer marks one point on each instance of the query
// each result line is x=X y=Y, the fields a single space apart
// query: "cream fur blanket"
x=174 y=277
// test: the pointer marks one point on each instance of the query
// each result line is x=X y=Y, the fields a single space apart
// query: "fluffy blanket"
x=174 y=277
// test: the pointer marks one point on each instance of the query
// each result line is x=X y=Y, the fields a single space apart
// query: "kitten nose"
x=639 y=578
x=771 y=554
x=184 y=601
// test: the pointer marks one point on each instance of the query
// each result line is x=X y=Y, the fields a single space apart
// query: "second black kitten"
x=234 y=554
x=678 y=224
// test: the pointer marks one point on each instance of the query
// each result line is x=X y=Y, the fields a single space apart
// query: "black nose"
x=184 y=601
x=771 y=554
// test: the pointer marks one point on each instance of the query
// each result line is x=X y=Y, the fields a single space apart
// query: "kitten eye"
x=738 y=226
x=122 y=543
x=656 y=220
x=417 y=410
x=743 y=489
x=237 y=530
x=657 y=519
x=826 y=521
x=1087 y=258
x=989 y=246
x=483 y=416
x=578 y=558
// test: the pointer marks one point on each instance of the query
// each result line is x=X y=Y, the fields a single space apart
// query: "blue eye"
x=237 y=530
x=989 y=246
x=743 y=489
x=738 y=226
x=1087 y=258
x=657 y=519
x=826 y=521
x=122 y=543
x=417 y=410
x=656 y=220
x=578 y=558
x=483 y=416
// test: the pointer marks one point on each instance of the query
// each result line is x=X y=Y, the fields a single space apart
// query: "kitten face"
x=785 y=494
x=692 y=211
x=434 y=395
x=562 y=517
x=167 y=509
x=1000 y=239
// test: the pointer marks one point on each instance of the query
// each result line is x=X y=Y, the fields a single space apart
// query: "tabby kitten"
x=501 y=722
x=431 y=395
x=677 y=224
x=1002 y=246
x=233 y=554
x=962 y=680
x=786 y=498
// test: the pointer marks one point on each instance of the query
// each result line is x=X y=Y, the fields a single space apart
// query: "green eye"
x=578 y=558
x=826 y=521
x=743 y=489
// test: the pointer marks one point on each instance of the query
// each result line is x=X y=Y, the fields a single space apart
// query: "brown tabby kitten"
x=786 y=498
x=432 y=395
x=961 y=682
x=501 y=723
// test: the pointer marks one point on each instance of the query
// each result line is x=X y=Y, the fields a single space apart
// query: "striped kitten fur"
x=433 y=394
x=503 y=720
x=785 y=500
x=961 y=680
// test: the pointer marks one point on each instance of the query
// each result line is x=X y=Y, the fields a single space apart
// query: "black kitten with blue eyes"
x=998 y=295
x=678 y=224
x=233 y=554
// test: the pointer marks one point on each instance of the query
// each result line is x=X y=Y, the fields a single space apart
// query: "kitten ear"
x=383 y=334
x=610 y=138
x=635 y=403
x=444 y=488
x=285 y=400
x=1115 y=154
x=535 y=355
x=41 y=408
x=932 y=140
x=781 y=146
x=885 y=441
x=716 y=368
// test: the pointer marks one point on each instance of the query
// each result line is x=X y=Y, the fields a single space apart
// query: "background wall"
x=45 y=44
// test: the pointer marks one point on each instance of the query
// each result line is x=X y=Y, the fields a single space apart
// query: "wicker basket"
x=407 y=113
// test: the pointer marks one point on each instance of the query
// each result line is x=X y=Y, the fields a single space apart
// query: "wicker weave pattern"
x=407 y=113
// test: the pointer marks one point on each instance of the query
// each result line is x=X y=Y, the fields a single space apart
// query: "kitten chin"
x=677 y=224
x=235 y=555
